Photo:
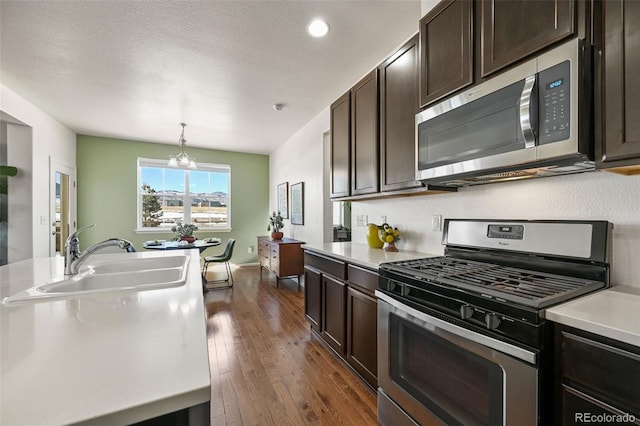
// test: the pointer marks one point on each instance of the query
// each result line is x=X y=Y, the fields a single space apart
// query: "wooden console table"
x=283 y=257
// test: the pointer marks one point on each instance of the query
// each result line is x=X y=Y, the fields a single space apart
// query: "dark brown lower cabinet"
x=596 y=379
x=342 y=310
x=334 y=309
x=362 y=318
x=313 y=298
x=580 y=408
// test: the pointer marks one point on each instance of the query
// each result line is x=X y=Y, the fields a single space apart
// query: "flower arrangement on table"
x=275 y=225
x=389 y=236
x=185 y=231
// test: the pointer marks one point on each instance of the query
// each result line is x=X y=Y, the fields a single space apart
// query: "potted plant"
x=6 y=171
x=275 y=225
x=185 y=231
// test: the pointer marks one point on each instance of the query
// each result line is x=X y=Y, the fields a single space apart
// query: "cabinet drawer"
x=275 y=263
x=609 y=373
x=263 y=247
x=326 y=264
x=577 y=406
x=264 y=242
x=365 y=279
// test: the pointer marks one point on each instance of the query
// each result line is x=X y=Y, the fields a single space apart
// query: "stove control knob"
x=466 y=311
x=491 y=321
x=404 y=290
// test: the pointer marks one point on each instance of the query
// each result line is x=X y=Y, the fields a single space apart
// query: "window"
x=168 y=195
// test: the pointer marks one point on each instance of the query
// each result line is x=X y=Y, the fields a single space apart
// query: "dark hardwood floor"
x=266 y=366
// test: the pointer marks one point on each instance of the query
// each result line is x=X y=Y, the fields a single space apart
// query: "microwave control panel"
x=554 y=103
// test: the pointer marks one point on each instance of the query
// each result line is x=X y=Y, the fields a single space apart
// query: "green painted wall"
x=107 y=192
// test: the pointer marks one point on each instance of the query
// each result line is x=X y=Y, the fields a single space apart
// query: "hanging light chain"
x=182 y=159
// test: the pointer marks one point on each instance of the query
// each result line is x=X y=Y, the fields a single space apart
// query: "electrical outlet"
x=250 y=249
x=436 y=222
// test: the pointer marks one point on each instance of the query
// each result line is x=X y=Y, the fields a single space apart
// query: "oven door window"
x=456 y=385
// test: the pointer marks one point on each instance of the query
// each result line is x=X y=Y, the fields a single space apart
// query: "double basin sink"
x=110 y=276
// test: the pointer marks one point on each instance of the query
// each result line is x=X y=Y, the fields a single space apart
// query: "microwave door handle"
x=525 y=112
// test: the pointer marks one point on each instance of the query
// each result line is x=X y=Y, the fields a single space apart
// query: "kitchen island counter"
x=612 y=313
x=363 y=255
x=117 y=358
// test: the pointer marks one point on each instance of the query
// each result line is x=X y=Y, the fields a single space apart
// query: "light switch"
x=436 y=222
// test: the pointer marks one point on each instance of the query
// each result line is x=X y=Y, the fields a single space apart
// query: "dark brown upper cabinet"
x=364 y=135
x=511 y=30
x=398 y=108
x=446 y=49
x=618 y=86
x=340 y=117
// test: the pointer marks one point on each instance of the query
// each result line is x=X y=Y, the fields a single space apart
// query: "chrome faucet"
x=73 y=258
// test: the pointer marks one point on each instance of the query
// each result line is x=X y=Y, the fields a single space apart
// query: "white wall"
x=586 y=196
x=50 y=138
x=427 y=5
x=301 y=159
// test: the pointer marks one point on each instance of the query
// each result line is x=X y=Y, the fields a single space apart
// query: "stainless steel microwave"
x=533 y=120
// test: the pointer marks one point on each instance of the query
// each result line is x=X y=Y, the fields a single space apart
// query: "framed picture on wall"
x=297 y=203
x=283 y=200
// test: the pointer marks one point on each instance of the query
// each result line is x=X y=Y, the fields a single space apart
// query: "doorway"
x=16 y=196
x=61 y=196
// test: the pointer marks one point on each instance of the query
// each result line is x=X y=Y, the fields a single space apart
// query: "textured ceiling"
x=136 y=69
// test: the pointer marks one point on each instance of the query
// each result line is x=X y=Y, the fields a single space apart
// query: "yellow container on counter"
x=373 y=239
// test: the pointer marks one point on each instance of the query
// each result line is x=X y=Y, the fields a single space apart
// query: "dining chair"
x=221 y=258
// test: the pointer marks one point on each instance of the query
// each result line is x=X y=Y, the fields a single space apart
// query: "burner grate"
x=519 y=285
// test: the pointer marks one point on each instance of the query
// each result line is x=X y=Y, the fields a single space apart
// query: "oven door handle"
x=498 y=345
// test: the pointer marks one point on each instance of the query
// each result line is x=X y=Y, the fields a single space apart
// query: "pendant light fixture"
x=182 y=159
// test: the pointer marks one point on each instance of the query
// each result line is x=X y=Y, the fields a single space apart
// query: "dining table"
x=201 y=245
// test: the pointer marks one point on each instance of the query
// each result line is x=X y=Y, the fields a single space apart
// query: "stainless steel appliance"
x=462 y=338
x=531 y=121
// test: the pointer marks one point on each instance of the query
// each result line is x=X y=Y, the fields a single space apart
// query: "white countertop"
x=612 y=313
x=362 y=254
x=110 y=359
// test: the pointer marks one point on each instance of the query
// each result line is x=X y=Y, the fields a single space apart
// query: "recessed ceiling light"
x=318 y=28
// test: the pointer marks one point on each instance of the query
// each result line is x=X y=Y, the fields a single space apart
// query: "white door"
x=62 y=199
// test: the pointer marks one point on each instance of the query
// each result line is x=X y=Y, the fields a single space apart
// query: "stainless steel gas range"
x=462 y=338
